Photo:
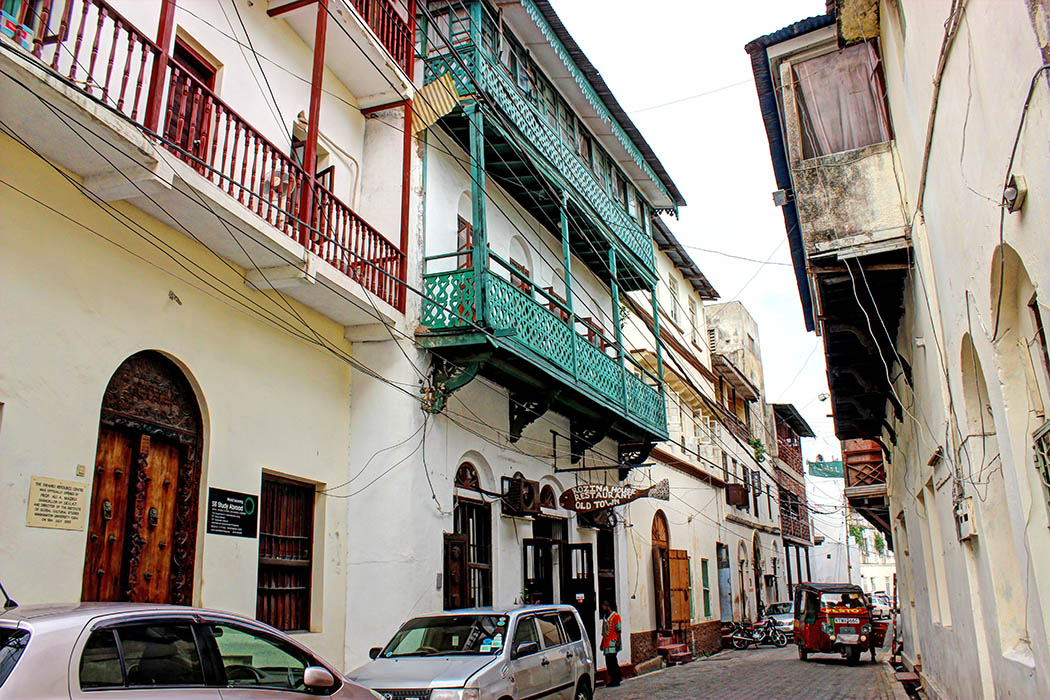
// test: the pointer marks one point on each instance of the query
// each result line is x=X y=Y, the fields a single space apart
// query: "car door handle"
x=544 y=662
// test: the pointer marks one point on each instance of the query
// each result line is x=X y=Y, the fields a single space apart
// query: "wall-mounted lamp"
x=1014 y=193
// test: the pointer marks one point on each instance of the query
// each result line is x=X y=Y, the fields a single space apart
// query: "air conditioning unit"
x=965 y=525
x=521 y=496
x=736 y=495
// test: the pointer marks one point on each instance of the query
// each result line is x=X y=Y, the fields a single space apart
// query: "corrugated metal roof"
x=767 y=100
x=667 y=244
x=617 y=112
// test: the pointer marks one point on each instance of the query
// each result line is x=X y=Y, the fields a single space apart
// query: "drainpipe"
x=165 y=28
x=310 y=150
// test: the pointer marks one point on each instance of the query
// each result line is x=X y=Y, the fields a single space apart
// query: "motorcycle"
x=761 y=632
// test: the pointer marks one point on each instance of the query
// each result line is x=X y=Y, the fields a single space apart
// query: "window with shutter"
x=706 y=581
x=286 y=520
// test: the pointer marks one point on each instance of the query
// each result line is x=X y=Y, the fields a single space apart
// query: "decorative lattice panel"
x=449 y=301
x=598 y=370
x=532 y=124
x=645 y=403
x=537 y=328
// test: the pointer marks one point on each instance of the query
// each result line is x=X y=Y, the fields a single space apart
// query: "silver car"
x=485 y=654
x=120 y=651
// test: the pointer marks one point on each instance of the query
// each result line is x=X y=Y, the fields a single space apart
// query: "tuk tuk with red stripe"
x=836 y=618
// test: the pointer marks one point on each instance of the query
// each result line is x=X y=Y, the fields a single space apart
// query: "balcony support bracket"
x=526 y=409
x=585 y=436
x=446 y=378
x=632 y=454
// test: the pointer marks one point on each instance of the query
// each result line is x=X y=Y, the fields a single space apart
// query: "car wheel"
x=853 y=656
x=802 y=653
x=583 y=691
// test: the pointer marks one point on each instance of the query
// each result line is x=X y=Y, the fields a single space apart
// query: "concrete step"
x=681 y=658
x=672 y=649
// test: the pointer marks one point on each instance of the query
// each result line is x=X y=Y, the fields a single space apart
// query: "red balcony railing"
x=789 y=453
x=93 y=47
x=391 y=29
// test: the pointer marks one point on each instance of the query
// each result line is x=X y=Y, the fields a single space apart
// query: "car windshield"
x=779 y=609
x=449 y=634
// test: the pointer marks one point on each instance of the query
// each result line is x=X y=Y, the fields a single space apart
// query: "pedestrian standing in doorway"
x=612 y=630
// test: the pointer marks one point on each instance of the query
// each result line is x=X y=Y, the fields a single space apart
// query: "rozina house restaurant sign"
x=585 y=498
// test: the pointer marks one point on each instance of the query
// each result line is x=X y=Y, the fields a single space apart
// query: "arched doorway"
x=661 y=570
x=142 y=530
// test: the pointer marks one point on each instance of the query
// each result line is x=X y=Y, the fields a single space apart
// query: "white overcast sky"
x=715 y=149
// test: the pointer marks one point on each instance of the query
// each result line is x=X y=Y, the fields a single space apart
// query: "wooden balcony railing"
x=552 y=334
x=94 y=48
x=789 y=453
x=392 y=30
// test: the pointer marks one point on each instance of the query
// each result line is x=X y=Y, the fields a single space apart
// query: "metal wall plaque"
x=232 y=513
x=585 y=498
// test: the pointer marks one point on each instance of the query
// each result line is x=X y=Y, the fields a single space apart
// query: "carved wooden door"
x=109 y=507
x=142 y=527
x=132 y=521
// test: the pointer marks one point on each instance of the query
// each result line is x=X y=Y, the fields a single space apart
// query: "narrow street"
x=765 y=673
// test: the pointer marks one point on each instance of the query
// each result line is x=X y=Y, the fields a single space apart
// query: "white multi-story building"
x=908 y=142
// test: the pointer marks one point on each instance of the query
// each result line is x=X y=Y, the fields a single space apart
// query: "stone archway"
x=142 y=528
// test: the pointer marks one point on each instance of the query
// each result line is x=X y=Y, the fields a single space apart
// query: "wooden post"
x=479 y=255
x=412 y=40
x=656 y=337
x=406 y=188
x=614 y=288
x=165 y=28
x=566 y=255
x=313 y=125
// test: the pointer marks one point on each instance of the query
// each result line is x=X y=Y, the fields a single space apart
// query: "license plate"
x=846 y=630
x=847 y=621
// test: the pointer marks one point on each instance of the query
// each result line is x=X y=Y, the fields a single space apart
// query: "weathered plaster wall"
x=75 y=307
x=980 y=624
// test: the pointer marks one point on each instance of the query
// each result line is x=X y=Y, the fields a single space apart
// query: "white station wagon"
x=536 y=651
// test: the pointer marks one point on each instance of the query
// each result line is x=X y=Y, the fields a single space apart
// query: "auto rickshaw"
x=836 y=617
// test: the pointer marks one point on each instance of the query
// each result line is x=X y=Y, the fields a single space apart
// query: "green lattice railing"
x=497 y=83
x=451 y=305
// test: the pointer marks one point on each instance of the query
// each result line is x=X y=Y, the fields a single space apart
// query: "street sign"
x=585 y=498
x=829 y=469
x=232 y=513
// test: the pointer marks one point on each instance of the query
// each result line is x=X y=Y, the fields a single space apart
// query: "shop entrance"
x=142 y=527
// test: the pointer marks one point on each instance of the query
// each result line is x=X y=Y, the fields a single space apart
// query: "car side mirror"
x=374 y=652
x=525 y=649
x=318 y=677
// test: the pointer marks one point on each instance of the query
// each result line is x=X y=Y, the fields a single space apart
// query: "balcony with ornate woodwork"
x=140 y=122
x=503 y=325
x=865 y=472
x=550 y=148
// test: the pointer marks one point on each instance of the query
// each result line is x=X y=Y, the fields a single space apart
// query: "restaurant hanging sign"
x=585 y=498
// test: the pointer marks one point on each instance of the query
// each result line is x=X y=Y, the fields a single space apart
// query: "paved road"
x=765 y=673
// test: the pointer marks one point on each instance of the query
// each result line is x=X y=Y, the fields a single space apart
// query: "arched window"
x=547 y=498
x=467 y=477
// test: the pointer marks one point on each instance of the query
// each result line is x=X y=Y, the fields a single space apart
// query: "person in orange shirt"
x=612 y=630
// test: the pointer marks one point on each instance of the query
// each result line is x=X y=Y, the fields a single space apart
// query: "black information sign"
x=232 y=513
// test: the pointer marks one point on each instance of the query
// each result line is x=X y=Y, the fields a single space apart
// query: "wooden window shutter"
x=680 y=586
x=455 y=572
x=286 y=522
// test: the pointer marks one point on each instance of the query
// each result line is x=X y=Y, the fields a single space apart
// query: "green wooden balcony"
x=540 y=339
x=537 y=135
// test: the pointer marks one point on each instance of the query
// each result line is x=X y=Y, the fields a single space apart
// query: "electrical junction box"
x=965 y=525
